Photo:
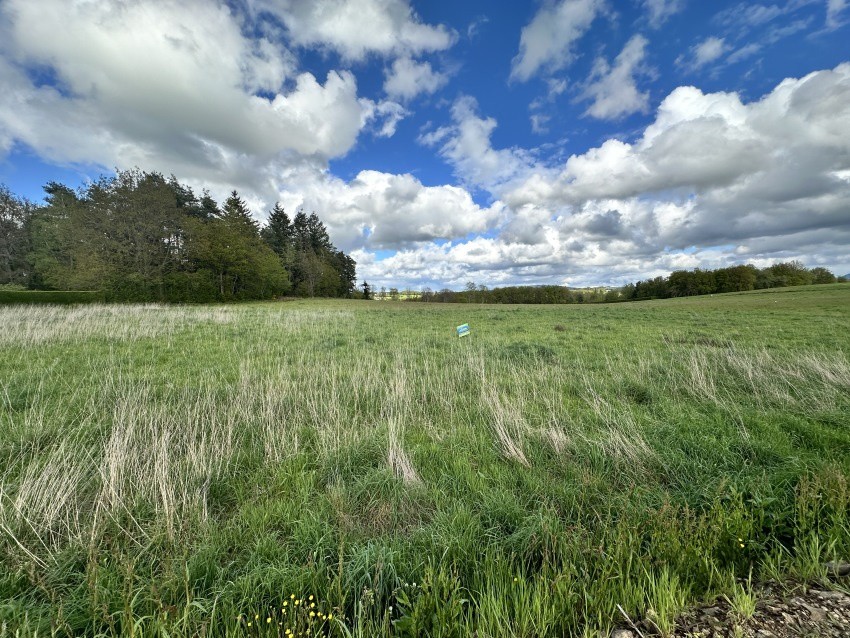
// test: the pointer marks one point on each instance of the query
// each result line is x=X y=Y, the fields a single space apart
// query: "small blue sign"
x=463 y=331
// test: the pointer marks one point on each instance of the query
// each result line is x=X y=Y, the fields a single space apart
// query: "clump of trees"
x=140 y=236
x=681 y=283
x=687 y=283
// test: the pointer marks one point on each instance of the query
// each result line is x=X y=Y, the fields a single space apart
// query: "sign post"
x=463 y=331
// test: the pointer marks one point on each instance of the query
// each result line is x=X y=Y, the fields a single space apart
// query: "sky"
x=573 y=142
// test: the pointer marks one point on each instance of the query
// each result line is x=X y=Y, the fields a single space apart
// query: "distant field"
x=186 y=471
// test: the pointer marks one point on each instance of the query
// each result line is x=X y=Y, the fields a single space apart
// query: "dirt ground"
x=790 y=610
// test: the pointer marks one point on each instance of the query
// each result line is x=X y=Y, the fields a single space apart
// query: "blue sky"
x=578 y=142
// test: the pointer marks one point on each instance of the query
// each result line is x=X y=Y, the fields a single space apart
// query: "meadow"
x=349 y=468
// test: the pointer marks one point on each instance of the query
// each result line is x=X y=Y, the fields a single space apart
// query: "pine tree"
x=208 y=208
x=278 y=231
x=236 y=214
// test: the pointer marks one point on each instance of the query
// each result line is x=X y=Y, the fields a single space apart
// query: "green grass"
x=177 y=471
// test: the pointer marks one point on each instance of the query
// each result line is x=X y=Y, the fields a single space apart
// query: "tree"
x=208 y=208
x=736 y=278
x=243 y=266
x=317 y=235
x=15 y=219
x=821 y=275
x=367 y=291
x=278 y=232
x=140 y=236
x=51 y=237
x=791 y=273
x=346 y=269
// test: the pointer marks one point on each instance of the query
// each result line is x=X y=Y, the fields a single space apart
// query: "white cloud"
x=740 y=170
x=713 y=181
x=834 y=9
x=356 y=28
x=407 y=78
x=466 y=145
x=474 y=28
x=746 y=51
x=660 y=10
x=135 y=82
x=613 y=89
x=704 y=53
x=382 y=210
x=548 y=41
x=539 y=123
x=384 y=116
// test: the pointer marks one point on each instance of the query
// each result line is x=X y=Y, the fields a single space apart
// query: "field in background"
x=186 y=471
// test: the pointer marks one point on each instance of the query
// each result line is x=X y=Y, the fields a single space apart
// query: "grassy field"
x=233 y=470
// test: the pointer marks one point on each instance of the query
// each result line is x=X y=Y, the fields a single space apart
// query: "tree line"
x=681 y=283
x=139 y=236
x=687 y=283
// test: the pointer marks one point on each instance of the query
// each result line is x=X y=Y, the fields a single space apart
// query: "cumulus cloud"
x=383 y=116
x=740 y=170
x=549 y=40
x=713 y=181
x=466 y=145
x=660 y=10
x=356 y=28
x=133 y=84
x=613 y=88
x=379 y=210
x=485 y=260
x=408 y=78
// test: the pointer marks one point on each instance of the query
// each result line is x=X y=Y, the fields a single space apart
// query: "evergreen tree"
x=15 y=219
x=277 y=232
x=242 y=265
x=208 y=208
x=317 y=234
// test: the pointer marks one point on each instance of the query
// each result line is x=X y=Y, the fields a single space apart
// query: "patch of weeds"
x=743 y=599
x=436 y=609
x=666 y=598
x=636 y=393
x=529 y=353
